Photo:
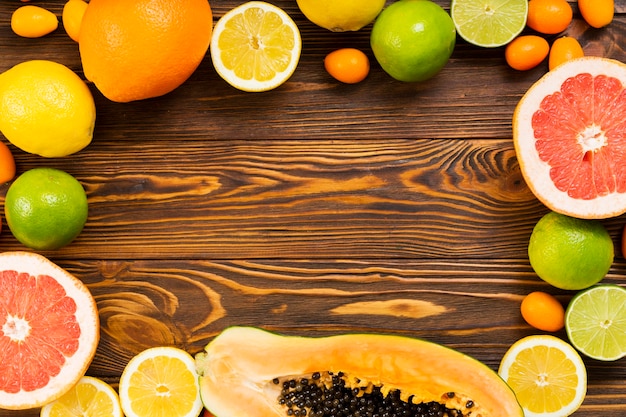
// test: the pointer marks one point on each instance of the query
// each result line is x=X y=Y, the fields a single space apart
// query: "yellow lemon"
x=46 y=109
x=341 y=15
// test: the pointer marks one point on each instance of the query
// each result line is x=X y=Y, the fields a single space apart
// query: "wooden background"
x=314 y=209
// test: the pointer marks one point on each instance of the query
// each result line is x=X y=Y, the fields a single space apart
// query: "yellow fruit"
x=256 y=46
x=90 y=397
x=160 y=381
x=46 y=109
x=546 y=374
x=45 y=208
x=33 y=21
x=341 y=15
x=72 y=17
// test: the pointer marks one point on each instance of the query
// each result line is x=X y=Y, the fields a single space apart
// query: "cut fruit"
x=50 y=330
x=255 y=46
x=246 y=371
x=91 y=397
x=595 y=321
x=547 y=375
x=160 y=381
x=489 y=23
x=569 y=131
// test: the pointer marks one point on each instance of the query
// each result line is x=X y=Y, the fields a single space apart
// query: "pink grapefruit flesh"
x=569 y=131
x=49 y=330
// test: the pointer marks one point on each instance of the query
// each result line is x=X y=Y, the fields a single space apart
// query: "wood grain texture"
x=314 y=209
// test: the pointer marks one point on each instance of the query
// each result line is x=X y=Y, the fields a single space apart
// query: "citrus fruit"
x=49 y=330
x=564 y=49
x=341 y=15
x=133 y=50
x=348 y=65
x=412 y=40
x=256 y=46
x=489 y=23
x=45 y=208
x=549 y=16
x=526 y=52
x=546 y=374
x=570 y=253
x=160 y=381
x=595 y=321
x=543 y=311
x=597 y=13
x=33 y=21
x=72 y=17
x=90 y=397
x=569 y=138
x=7 y=164
x=46 y=109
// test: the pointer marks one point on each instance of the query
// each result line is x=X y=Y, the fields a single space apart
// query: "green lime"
x=570 y=253
x=595 y=322
x=412 y=40
x=45 y=208
x=489 y=23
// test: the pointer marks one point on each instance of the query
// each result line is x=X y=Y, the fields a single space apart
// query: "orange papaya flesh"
x=243 y=372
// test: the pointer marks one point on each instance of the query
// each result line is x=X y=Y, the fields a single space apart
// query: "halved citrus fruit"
x=489 y=23
x=255 y=46
x=49 y=330
x=569 y=131
x=546 y=374
x=595 y=321
x=91 y=397
x=160 y=381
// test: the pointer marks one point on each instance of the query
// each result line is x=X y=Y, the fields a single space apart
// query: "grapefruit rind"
x=536 y=172
x=86 y=315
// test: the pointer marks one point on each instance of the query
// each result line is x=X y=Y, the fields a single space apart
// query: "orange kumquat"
x=597 y=13
x=542 y=311
x=563 y=49
x=7 y=164
x=347 y=65
x=526 y=52
x=549 y=16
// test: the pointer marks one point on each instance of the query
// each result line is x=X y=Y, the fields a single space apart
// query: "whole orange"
x=133 y=50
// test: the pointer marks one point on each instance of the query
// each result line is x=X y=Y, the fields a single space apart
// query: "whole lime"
x=45 y=208
x=412 y=40
x=570 y=253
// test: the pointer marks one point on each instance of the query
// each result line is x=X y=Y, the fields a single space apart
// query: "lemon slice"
x=546 y=374
x=595 y=321
x=90 y=397
x=255 y=46
x=489 y=23
x=160 y=381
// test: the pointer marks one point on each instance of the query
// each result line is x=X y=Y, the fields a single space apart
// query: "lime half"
x=489 y=23
x=595 y=321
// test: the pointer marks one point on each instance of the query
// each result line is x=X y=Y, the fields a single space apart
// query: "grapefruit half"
x=49 y=330
x=569 y=132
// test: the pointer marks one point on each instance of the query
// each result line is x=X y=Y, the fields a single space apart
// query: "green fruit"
x=412 y=40
x=570 y=253
x=45 y=208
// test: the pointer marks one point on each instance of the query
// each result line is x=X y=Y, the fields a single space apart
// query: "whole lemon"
x=341 y=15
x=46 y=109
x=45 y=208
x=412 y=40
x=570 y=253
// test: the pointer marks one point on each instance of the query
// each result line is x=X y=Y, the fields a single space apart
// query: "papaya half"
x=249 y=372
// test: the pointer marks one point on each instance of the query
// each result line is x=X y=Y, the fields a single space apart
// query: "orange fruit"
x=542 y=311
x=133 y=50
x=45 y=208
x=569 y=138
x=348 y=65
x=563 y=49
x=526 y=52
x=49 y=330
x=597 y=13
x=33 y=21
x=7 y=164
x=549 y=16
x=72 y=16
